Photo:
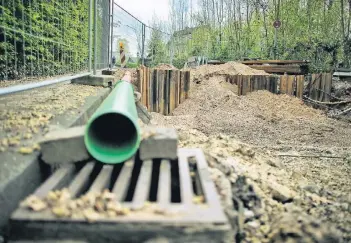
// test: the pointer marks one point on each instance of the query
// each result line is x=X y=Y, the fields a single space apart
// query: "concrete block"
x=158 y=143
x=96 y=80
x=109 y=72
x=64 y=146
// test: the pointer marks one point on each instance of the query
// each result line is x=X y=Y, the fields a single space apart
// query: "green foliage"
x=310 y=30
x=41 y=37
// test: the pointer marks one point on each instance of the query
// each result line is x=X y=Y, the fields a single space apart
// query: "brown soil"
x=229 y=68
x=165 y=66
x=298 y=199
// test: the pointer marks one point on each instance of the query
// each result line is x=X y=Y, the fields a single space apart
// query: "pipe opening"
x=114 y=136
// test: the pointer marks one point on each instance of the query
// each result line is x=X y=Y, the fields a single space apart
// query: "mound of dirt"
x=259 y=118
x=165 y=66
x=229 y=68
x=215 y=119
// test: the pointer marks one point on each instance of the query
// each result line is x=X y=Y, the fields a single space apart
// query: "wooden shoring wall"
x=319 y=87
x=162 y=90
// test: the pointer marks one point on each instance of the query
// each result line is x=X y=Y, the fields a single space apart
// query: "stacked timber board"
x=162 y=90
x=279 y=66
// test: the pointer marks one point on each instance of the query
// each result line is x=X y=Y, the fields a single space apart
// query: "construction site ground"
x=288 y=163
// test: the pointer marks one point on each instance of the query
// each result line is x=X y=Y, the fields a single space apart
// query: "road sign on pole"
x=277 y=24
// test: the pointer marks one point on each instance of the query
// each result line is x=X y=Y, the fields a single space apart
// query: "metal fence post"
x=112 y=25
x=143 y=43
x=109 y=33
x=89 y=34
x=95 y=36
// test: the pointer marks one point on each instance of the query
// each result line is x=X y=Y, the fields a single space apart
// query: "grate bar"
x=210 y=193
x=121 y=186
x=57 y=180
x=143 y=185
x=164 y=184
x=81 y=180
x=185 y=183
x=103 y=179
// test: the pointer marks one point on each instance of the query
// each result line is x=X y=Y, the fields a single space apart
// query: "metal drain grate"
x=174 y=186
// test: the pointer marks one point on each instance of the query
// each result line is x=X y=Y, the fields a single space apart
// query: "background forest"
x=315 y=30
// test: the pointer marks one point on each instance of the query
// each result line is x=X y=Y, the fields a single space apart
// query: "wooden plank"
x=240 y=85
x=172 y=91
x=316 y=80
x=290 y=86
x=254 y=83
x=322 y=87
x=147 y=90
x=154 y=91
x=262 y=82
x=140 y=80
x=187 y=84
x=299 y=86
x=161 y=82
x=151 y=89
x=143 y=94
x=177 y=83
x=267 y=83
x=166 y=92
x=246 y=84
x=182 y=83
x=289 y=69
x=283 y=84
x=328 y=86
x=275 y=85
x=275 y=62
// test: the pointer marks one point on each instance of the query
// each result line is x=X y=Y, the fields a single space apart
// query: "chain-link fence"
x=127 y=30
x=41 y=38
x=159 y=46
x=143 y=44
x=102 y=13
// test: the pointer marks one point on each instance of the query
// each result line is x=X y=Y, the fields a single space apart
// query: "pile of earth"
x=230 y=68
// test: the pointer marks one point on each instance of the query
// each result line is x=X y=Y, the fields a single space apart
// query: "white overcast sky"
x=145 y=9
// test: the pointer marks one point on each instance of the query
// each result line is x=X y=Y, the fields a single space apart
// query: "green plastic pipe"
x=112 y=134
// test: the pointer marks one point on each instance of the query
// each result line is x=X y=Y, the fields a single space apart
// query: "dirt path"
x=246 y=139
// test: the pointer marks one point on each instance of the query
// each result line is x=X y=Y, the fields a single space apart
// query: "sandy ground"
x=27 y=115
x=288 y=164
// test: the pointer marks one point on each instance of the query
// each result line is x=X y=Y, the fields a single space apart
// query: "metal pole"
x=14 y=38
x=31 y=39
x=25 y=87
x=95 y=35
x=89 y=35
x=112 y=5
x=5 y=46
x=143 y=44
x=109 y=33
x=23 y=42
x=275 y=43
